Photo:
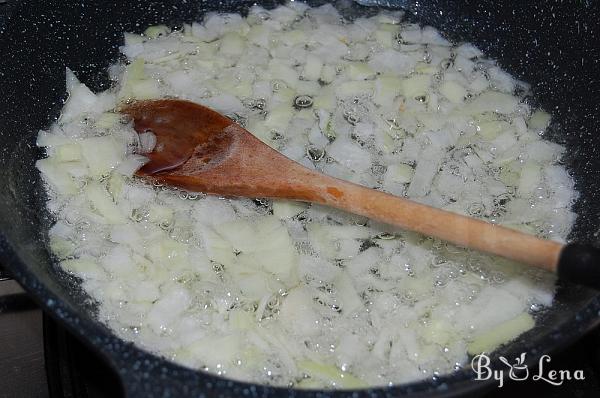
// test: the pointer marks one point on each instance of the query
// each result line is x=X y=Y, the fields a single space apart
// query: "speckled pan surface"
x=553 y=46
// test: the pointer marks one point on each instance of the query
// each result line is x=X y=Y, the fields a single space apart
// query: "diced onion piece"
x=401 y=173
x=354 y=88
x=327 y=74
x=350 y=155
x=136 y=84
x=387 y=88
x=118 y=262
x=48 y=139
x=468 y=50
x=81 y=100
x=504 y=141
x=359 y=71
x=411 y=34
x=385 y=38
x=168 y=250
x=392 y=19
x=333 y=376
x=539 y=120
x=62 y=248
x=439 y=332
x=276 y=253
x=426 y=169
x=171 y=304
x=241 y=320
x=259 y=35
x=297 y=312
x=490 y=130
x=253 y=285
x=101 y=154
x=492 y=101
x=145 y=291
x=108 y=120
x=126 y=234
x=219 y=250
x=153 y=32
x=312 y=68
x=543 y=151
x=102 y=203
x=393 y=62
x=131 y=164
x=278 y=70
x=68 y=153
x=216 y=351
x=232 y=44
x=293 y=37
x=279 y=118
x=503 y=333
x=530 y=178
x=115 y=185
x=84 y=268
x=453 y=91
x=431 y=35
x=416 y=85
x=160 y=214
x=144 y=89
x=147 y=142
x=347 y=295
x=57 y=176
x=325 y=100
x=132 y=38
x=287 y=208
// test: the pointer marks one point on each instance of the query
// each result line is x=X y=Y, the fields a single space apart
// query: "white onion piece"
x=147 y=142
x=81 y=99
x=131 y=164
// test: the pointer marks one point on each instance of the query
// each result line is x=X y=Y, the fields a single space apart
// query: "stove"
x=72 y=369
x=39 y=358
x=22 y=372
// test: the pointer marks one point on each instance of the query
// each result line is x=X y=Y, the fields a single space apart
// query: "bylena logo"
x=519 y=371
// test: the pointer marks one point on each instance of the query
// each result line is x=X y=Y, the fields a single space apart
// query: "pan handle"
x=580 y=263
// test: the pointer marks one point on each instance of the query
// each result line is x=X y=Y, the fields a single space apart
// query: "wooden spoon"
x=201 y=150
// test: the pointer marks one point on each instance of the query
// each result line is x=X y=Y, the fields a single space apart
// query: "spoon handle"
x=228 y=160
x=455 y=228
x=574 y=262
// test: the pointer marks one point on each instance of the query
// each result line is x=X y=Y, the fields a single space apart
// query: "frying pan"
x=551 y=44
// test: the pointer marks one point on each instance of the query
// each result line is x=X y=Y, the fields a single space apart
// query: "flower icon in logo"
x=519 y=370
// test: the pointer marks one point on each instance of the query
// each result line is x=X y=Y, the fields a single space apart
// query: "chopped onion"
x=131 y=164
x=289 y=293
